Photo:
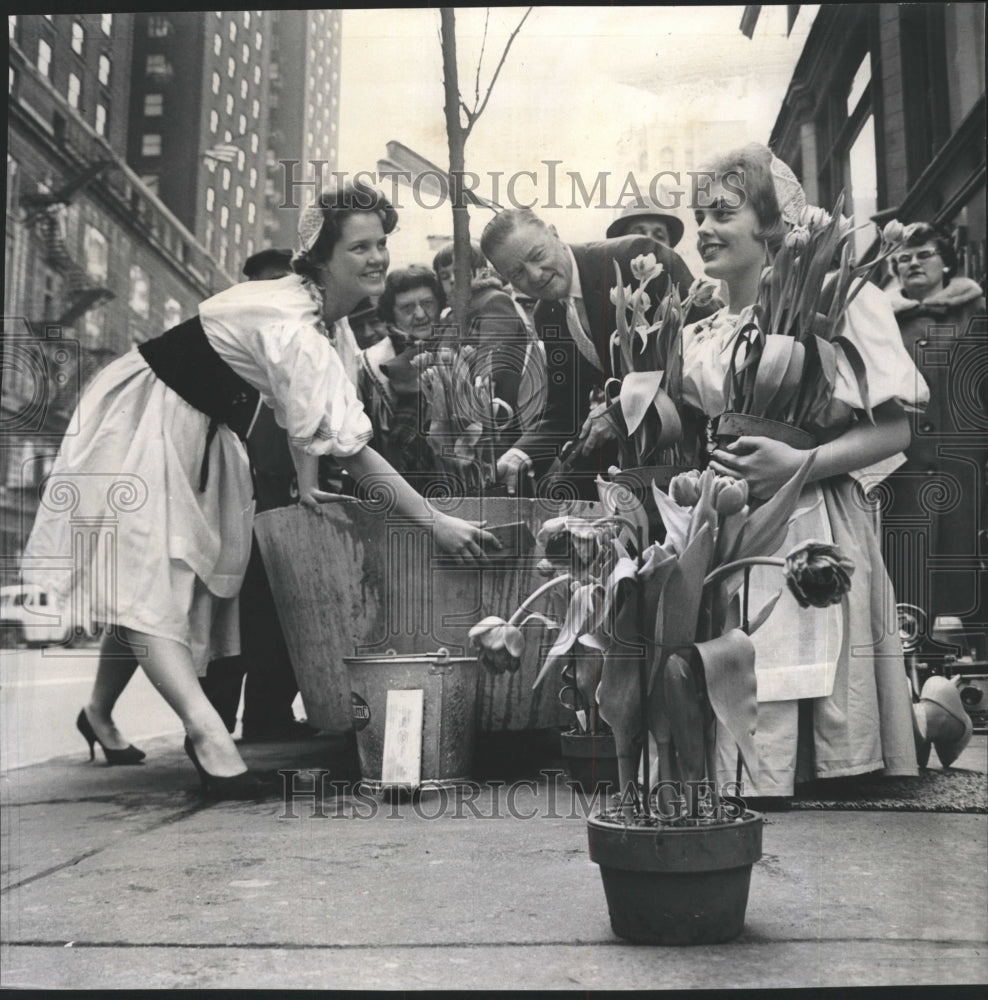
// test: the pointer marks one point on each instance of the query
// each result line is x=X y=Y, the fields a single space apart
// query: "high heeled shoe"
x=238 y=787
x=129 y=754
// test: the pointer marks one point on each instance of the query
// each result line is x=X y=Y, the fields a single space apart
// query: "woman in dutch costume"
x=164 y=426
x=833 y=699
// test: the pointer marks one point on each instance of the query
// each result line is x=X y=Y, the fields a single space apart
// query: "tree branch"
x=504 y=55
x=480 y=60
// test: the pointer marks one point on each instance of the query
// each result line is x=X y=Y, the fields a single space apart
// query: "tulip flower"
x=730 y=495
x=818 y=574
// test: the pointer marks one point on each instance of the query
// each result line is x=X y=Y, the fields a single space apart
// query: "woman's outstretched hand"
x=465 y=541
x=765 y=464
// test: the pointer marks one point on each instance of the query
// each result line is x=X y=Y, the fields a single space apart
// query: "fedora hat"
x=941 y=720
x=637 y=210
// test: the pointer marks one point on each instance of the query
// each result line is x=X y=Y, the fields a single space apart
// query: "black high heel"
x=238 y=787
x=129 y=754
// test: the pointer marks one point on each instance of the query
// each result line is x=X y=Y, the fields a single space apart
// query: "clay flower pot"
x=676 y=885
x=591 y=760
x=730 y=426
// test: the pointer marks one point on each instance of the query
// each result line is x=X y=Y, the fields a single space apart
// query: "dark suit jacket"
x=571 y=378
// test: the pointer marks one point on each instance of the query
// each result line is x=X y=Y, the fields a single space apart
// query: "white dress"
x=845 y=660
x=123 y=535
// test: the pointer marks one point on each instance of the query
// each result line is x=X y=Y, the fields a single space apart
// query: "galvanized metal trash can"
x=416 y=717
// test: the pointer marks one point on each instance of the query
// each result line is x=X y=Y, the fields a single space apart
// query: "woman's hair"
x=923 y=232
x=752 y=165
x=407 y=279
x=335 y=206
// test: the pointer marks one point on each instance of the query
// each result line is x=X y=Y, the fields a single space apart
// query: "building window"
x=258 y=41
x=44 y=57
x=250 y=247
x=257 y=75
x=159 y=27
x=253 y=142
x=217 y=44
x=101 y=120
x=226 y=178
x=210 y=199
x=159 y=67
x=78 y=36
x=95 y=249
x=255 y=108
x=229 y=104
x=245 y=51
x=233 y=31
x=246 y=18
x=208 y=237
x=221 y=257
x=253 y=178
x=214 y=121
x=216 y=82
x=103 y=70
x=12 y=27
x=239 y=199
x=74 y=90
x=153 y=105
x=238 y=233
x=231 y=68
x=242 y=124
x=862 y=185
x=150 y=182
x=140 y=291
x=106 y=23
x=241 y=159
x=224 y=216
x=251 y=213
x=151 y=144
x=172 y=313
x=243 y=89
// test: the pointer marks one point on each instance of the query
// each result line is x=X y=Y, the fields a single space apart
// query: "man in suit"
x=574 y=318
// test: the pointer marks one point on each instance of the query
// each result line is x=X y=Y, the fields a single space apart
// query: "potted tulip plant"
x=784 y=365
x=672 y=623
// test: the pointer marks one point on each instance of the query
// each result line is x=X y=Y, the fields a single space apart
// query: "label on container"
x=360 y=711
x=402 y=763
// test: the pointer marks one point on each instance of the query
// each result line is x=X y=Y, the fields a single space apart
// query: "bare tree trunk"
x=457 y=135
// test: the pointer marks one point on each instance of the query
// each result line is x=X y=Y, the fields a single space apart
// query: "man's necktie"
x=576 y=320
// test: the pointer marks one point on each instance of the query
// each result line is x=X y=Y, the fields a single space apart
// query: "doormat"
x=948 y=791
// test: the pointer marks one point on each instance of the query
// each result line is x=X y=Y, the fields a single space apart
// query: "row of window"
x=96 y=252
x=78 y=33
x=245 y=48
x=43 y=63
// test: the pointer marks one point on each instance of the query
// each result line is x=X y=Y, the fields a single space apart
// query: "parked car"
x=30 y=616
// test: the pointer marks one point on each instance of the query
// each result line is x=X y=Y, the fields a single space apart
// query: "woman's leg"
x=169 y=666
x=117 y=664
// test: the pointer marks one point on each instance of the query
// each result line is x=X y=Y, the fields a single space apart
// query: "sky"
x=574 y=82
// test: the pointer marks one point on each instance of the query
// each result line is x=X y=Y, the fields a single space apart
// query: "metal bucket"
x=414 y=708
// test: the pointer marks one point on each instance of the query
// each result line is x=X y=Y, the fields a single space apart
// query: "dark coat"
x=572 y=380
x=937 y=509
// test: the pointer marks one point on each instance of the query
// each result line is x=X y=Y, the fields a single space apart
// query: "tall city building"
x=305 y=114
x=94 y=261
x=198 y=122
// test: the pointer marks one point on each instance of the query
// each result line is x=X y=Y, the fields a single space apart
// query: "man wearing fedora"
x=574 y=318
x=648 y=218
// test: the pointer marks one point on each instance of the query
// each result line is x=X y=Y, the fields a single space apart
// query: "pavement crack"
x=71 y=862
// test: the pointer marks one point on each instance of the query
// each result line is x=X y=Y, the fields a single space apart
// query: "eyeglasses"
x=920 y=255
x=427 y=304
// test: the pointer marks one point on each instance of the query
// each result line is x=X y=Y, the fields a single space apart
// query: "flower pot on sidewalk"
x=676 y=884
x=590 y=760
x=730 y=426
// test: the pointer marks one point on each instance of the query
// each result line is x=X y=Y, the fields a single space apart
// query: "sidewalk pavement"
x=126 y=878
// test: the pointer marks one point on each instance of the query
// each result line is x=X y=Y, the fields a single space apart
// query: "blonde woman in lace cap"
x=833 y=699
x=168 y=419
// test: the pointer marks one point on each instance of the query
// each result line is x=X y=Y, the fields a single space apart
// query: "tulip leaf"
x=580 y=608
x=683 y=706
x=729 y=671
x=638 y=390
